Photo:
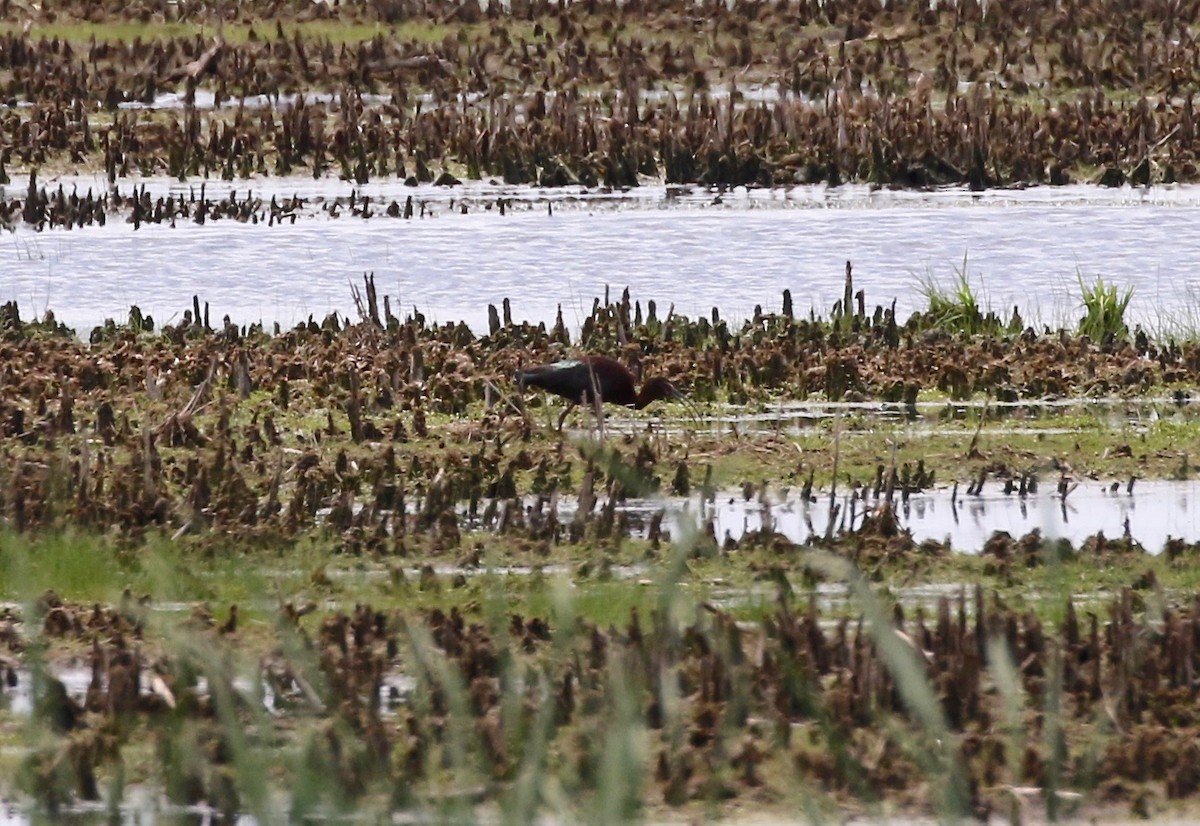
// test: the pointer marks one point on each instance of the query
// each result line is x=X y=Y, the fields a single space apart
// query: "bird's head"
x=659 y=388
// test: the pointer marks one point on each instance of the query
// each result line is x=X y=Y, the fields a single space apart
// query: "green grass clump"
x=1104 y=308
x=956 y=308
x=81 y=566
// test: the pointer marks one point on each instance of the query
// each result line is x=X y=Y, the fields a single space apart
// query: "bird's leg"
x=570 y=406
x=598 y=410
x=597 y=401
x=516 y=402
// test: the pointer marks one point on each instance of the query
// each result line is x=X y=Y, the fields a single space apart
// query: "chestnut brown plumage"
x=585 y=378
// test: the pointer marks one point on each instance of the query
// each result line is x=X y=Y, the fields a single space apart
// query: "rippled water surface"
x=693 y=248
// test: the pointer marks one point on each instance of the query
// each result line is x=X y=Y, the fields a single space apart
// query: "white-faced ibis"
x=581 y=380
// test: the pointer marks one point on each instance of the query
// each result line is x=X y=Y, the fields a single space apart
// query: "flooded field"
x=693 y=248
x=819 y=444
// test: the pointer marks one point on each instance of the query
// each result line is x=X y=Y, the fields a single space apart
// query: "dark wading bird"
x=576 y=379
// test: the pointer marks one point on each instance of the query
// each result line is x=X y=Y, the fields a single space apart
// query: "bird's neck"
x=644 y=397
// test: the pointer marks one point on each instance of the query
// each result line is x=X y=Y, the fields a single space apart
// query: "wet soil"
x=731 y=713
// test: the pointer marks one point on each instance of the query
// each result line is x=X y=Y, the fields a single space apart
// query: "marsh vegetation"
x=338 y=560
x=344 y=568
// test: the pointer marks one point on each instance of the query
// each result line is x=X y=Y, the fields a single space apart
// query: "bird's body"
x=576 y=379
x=582 y=379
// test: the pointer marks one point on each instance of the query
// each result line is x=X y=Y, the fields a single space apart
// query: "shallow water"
x=1153 y=512
x=205 y=100
x=394 y=691
x=920 y=420
x=691 y=247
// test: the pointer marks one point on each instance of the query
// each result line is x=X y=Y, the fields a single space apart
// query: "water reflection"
x=1152 y=513
x=140 y=807
x=689 y=247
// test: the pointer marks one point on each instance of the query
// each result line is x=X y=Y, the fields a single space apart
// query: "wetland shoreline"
x=343 y=569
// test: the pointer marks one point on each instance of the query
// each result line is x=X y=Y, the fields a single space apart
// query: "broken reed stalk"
x=368 y=310
x=971 y=450
x=199 y=399
x=837 y=447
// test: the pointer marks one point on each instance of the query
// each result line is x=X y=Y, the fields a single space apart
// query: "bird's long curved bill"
x=693 y=412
